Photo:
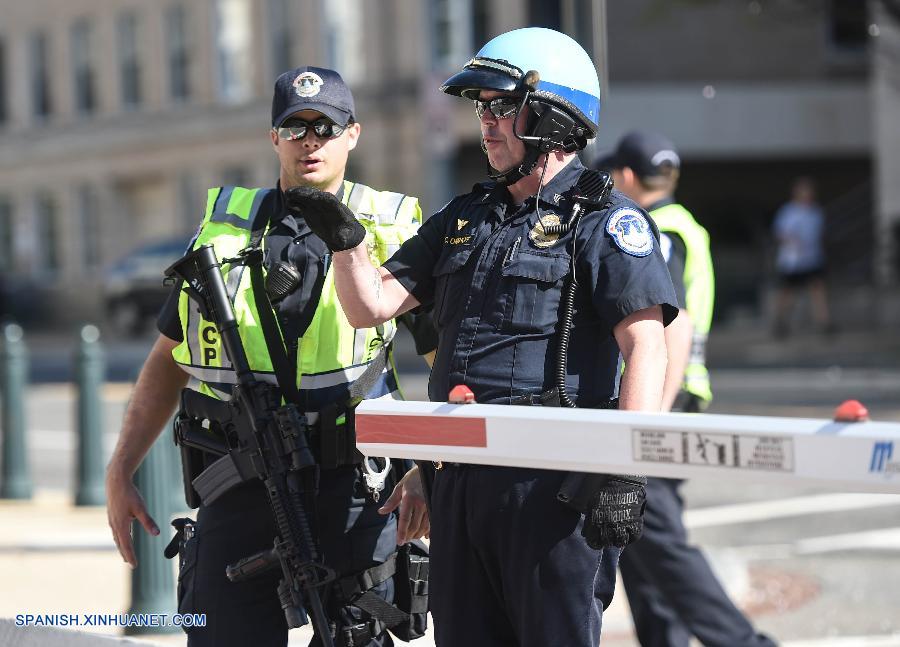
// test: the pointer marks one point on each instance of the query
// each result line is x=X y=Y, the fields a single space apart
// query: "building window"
x=127 y=34
x=584 y=23
x=39 y=76
x=89 y=221
x=451 y=33
x=442 y=27
x=344 y=38
x=191 y=202
x=848 y=25
x=3 y=93
x=177 y=52
x=6 y=235
x=280 y=35
x=481 y=22
x=82 y=67
x=47 y=229
x=545 y=13
x=233 y=50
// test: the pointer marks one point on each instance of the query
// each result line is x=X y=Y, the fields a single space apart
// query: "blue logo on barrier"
x=881 y=454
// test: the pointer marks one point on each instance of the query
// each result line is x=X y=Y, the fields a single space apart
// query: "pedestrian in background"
x=799 y=231
x=672 y=591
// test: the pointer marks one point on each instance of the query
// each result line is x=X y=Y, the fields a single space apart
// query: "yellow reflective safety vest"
x=699 y=286
x=331 y=354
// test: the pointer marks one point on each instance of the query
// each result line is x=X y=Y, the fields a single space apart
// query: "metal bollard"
x=15 y=474
x=152 y=582
x=89 y=375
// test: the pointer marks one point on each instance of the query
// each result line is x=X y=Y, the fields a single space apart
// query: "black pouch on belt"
x=411 y=590
x=337 y=442
x=193 y=461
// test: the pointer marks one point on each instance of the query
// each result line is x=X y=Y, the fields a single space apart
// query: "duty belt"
x=219 y=470
x=550 y=398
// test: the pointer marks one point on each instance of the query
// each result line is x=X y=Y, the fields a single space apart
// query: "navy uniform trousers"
x=509 y=566
x=352 y=537
x=671 y=589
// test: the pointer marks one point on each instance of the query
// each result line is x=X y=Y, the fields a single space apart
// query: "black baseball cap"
x=645 y=153
x=312 y=88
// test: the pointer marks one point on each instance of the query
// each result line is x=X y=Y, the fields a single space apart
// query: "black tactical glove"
x=327 y=216
x=612 y=504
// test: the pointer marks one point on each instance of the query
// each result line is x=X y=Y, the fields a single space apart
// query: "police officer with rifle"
x=288 y=523
x=268 y=441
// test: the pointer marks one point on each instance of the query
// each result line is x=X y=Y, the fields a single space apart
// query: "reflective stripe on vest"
x=699 y=286
x=331 y=354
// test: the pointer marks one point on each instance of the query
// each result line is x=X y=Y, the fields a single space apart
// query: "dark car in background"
x=133 y=288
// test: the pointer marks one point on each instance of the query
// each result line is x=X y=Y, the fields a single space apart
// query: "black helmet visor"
x=484 y=74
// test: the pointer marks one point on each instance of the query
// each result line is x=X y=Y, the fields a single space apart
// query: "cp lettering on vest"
x=209 y=336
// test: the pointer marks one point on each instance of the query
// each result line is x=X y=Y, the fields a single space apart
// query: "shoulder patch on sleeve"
x=630 y=231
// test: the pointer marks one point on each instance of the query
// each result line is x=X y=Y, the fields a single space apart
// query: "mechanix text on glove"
x=612 y=504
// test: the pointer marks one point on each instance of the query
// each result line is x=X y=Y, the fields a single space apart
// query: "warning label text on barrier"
x=658 y=446
x=771 y=453
x=774 y=453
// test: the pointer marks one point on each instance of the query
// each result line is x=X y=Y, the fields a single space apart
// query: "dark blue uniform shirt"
x=495 y=282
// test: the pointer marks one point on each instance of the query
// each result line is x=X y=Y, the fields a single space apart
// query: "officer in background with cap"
x=314 y=128
x=672 y=592
x=511 y=564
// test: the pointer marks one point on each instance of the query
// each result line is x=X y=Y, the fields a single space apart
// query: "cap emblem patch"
x=307 y=84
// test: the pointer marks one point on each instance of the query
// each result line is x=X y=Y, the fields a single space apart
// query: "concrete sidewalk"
x=56 y=558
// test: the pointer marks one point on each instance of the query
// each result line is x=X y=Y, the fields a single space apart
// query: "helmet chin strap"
x=516 y=173
x=532 y=151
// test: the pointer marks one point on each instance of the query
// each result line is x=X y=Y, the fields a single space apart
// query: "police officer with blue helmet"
x=542 y=281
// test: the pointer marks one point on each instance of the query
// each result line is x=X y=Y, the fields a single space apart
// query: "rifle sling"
x=285 y=371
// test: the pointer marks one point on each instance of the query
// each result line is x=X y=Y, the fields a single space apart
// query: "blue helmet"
x=566 y=76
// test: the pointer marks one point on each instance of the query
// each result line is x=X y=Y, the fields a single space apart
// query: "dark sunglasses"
x=294 y=129
x=501 y=107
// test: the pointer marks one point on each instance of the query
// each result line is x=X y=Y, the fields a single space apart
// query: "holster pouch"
x=192 y=460
x=411 y=590
x=337 y=442
x=406 y=618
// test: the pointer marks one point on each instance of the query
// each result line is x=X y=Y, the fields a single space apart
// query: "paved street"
x=812 y=567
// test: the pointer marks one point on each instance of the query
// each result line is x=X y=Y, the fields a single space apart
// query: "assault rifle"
x=264 y=439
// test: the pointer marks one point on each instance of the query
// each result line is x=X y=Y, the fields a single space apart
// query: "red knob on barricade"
x=851 y=411
x=461 y=394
